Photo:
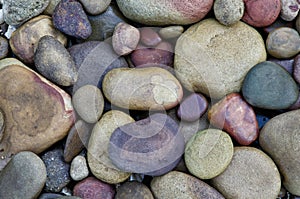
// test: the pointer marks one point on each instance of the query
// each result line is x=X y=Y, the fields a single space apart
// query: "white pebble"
x=9 y=31
x=79 y=169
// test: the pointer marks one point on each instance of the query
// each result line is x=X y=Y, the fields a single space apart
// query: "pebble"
x=88 y=103
x=46 y=114
x=24 y=40
x=91 y=188
x=269 y=86
x=71 y=12
x=2 y=124
x=57 y=170
x=219 y=57
x=279 y=23
x=98 y=159
x=165 y=12
x=280 y=138
x=289 y=9
x=51 y=7
x=192 y=107
x=133 y=190
x=95 y=7
x=251 y=174
x=287 y=64
x=23 y=177
x=142 y=88
x=54 y=62
x=79 y=169
x=283 y=43
x=178 y=185
x=125 y=38
x=208 y=153
x=149 y=37
x=17 y=12
x=3 y=47
x=236 y=117
x=151 y=146
x=171 y=32
x=296 y=71
x=261 y=13
x=50 y=196
x=228 y=12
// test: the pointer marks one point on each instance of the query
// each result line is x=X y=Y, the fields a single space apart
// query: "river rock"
x=269 y=86
x=23 y=177
x=280 y=138
x=236 y=117
x=38 y=113
x=95 y=7
x=289 y=9
x=228 y=12
x=149 y=36
x=24 y=40
x=133 y=190
x=79 y=169
x=251 y=174
x=142 y=88
x=3 y=47
x=178 y=185
x=208 y=153
x=165 y=12
x=171 y=32
x=17 y=12
x=54 y=62
x=98 y=159
x=214 y=59
x=151 y=146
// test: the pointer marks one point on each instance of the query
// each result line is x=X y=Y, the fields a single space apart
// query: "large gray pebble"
x=228 y=12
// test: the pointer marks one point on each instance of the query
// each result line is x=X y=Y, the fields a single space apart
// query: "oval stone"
x=95 y=7
x=79 y=169
x=280 y=138
x=214 y=59
x=178 y=185
x=133 y=190
x=142 y=88
x=228 y=12
x=269 y=86
x=152 y=146
x=289 y=9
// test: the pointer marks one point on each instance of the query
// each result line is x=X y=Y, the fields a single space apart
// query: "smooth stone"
x=269 y=86
x=91 y=188
x=283 y=43
x=297 y=24
x=208 y=153
x=296 y=71
x=46 y=113
x=49 y=196
x=261 y=13
x=54 y=62
x=95 y=7
x=17 y=12
x=279 y=23
x=23 y=177
x=228 y=12
x=103 y=25
x=99 y=163
x=171 y=32
x=88 y=103
x=77 y=139
x=71 y=12
x=2 y=124
x=280 y=138
x=4 y=47
x=251 y=174
x=142 y=88
x=165 y=12
x=57 y=170
x=287 y=64
x=213 y=59
x=151 y=146
x=51 y=7
x=79 y=169
x=178 y=185
x=133 y=190
x=149 y=37
x=296 y=105
x=289 y=9
x=192 y=107
x=236 y=117
x=24 y=40
x=125 y=38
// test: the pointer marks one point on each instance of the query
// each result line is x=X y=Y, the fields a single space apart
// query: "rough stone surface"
x=133 y=190
x=228 y=12
x=23 y=177
x=280 y=138
x=79 y=169
x=289 y=9
x=251 y=174
x=214 y=59
x=95 y=7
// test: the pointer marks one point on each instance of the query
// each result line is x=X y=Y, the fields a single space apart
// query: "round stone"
x=283 y=43
x=171 y=32
x=95 y=7
x=79 y=169
x=250 y=174
x=133 y=190
x=269 y=86
x=228 y=12
x=214 y=59
x=208 y=153
x=289 y=9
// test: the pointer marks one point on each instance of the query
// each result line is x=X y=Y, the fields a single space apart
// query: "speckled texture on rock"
x=228 y=12
x=133 y=190
x=289 y=9
x=79 y=169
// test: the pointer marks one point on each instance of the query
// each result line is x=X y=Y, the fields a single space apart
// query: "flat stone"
x=49 y=196
x=171 y=32
x=79 y=169
x=213 y=59
x=251 y=174
x=269 y=86
x=289 y=9
x=228 y=12
x=23 y=177
x=178 y=185
x=236 y=117
x=95 y=7
x=133 y=190
x=280 y=138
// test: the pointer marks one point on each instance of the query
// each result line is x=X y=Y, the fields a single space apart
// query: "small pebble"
x=95 y=7
x=289 y=9
x=133 y=190
x=149 y=37
x=171 y=32
x=228 y=12
x=79 y=169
